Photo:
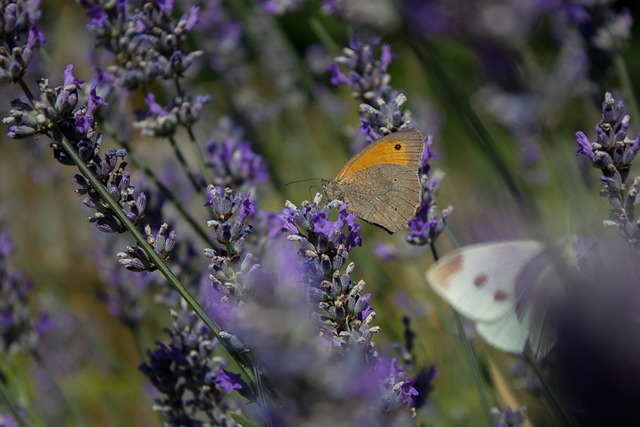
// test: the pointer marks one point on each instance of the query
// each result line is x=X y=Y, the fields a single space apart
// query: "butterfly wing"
x=381 y=184
x=401 y=148
x=479 y=280
x=391 y=202
x=539 y=293
x=506 y=334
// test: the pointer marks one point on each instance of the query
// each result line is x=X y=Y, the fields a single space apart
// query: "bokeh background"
x=528 y=85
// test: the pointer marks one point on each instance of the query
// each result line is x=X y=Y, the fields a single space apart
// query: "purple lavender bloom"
x=147 y=42
x=509 y=417
x=19 y=37
x=366 y=73
x=223 y=46
x=55 y=108
x=324 y=250
x=136 y=259
x=584 y=146
x=429 y=221
x=20 y=329
x=280 y=7
x=163 y=121
x=613 y=153
x=234 y=163
x=231 y=267
x=229 y=381
x=283 y=331
x=123 y=291
x=191 y=380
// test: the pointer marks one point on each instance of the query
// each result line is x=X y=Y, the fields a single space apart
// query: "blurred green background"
x=96 y=358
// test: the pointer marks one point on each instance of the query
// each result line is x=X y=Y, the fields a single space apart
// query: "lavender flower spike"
x=613 y=153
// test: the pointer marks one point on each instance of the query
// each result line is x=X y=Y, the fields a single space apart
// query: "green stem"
x=8 y=403
x=185 y=167
x=192 y=138
x=427 y=54
x=325 y=38
x=138 y=163
x=241 y=359
x=204 y=172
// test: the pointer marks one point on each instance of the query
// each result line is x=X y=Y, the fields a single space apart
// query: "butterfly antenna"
x=302 y=180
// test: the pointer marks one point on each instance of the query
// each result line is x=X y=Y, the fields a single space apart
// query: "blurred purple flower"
x=161 y=121
x=509 y=417
x=234 y=163
x=280 y=7
x=191 y=381
x=20 y=328
x=223 y=45
x=19 y=37
x=147 y=43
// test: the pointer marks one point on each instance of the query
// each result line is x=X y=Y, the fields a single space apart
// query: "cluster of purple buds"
x=613 y=153
x=164 y=121
x=146 y=42
x=230 y=265
x=192 y=382
x=366 y=74
x=136 y=259
x=19 y=37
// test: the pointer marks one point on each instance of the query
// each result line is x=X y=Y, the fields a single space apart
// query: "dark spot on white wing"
x=500 y=296
x=480 y=280
x=398 y=146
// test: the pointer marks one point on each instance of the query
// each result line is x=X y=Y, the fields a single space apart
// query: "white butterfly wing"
x=479 y=280
x=506 y=334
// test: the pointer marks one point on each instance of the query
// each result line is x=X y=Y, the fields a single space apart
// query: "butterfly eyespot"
x=398 y=146
x=480 y=281
x=500 y=296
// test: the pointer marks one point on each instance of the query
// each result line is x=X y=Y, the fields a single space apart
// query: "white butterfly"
x=510 y=289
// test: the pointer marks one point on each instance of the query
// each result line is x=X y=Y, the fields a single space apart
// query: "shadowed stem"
x=548 y=391
x=78 y=418
x=138 y=163
x=7 y=403
x=197 y=186
x=427 y=55
x=241 y=359
x=194 y=142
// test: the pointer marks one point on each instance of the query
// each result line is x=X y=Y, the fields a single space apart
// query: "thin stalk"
x=15 y=413
x=197 y=186
x=138 y=163
x=325 y=38
x=470 y=356
x=204 y=172
x=78 y=418
x=241 y=359
x=551 y=396
x=427 y=54
x=194 y=143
